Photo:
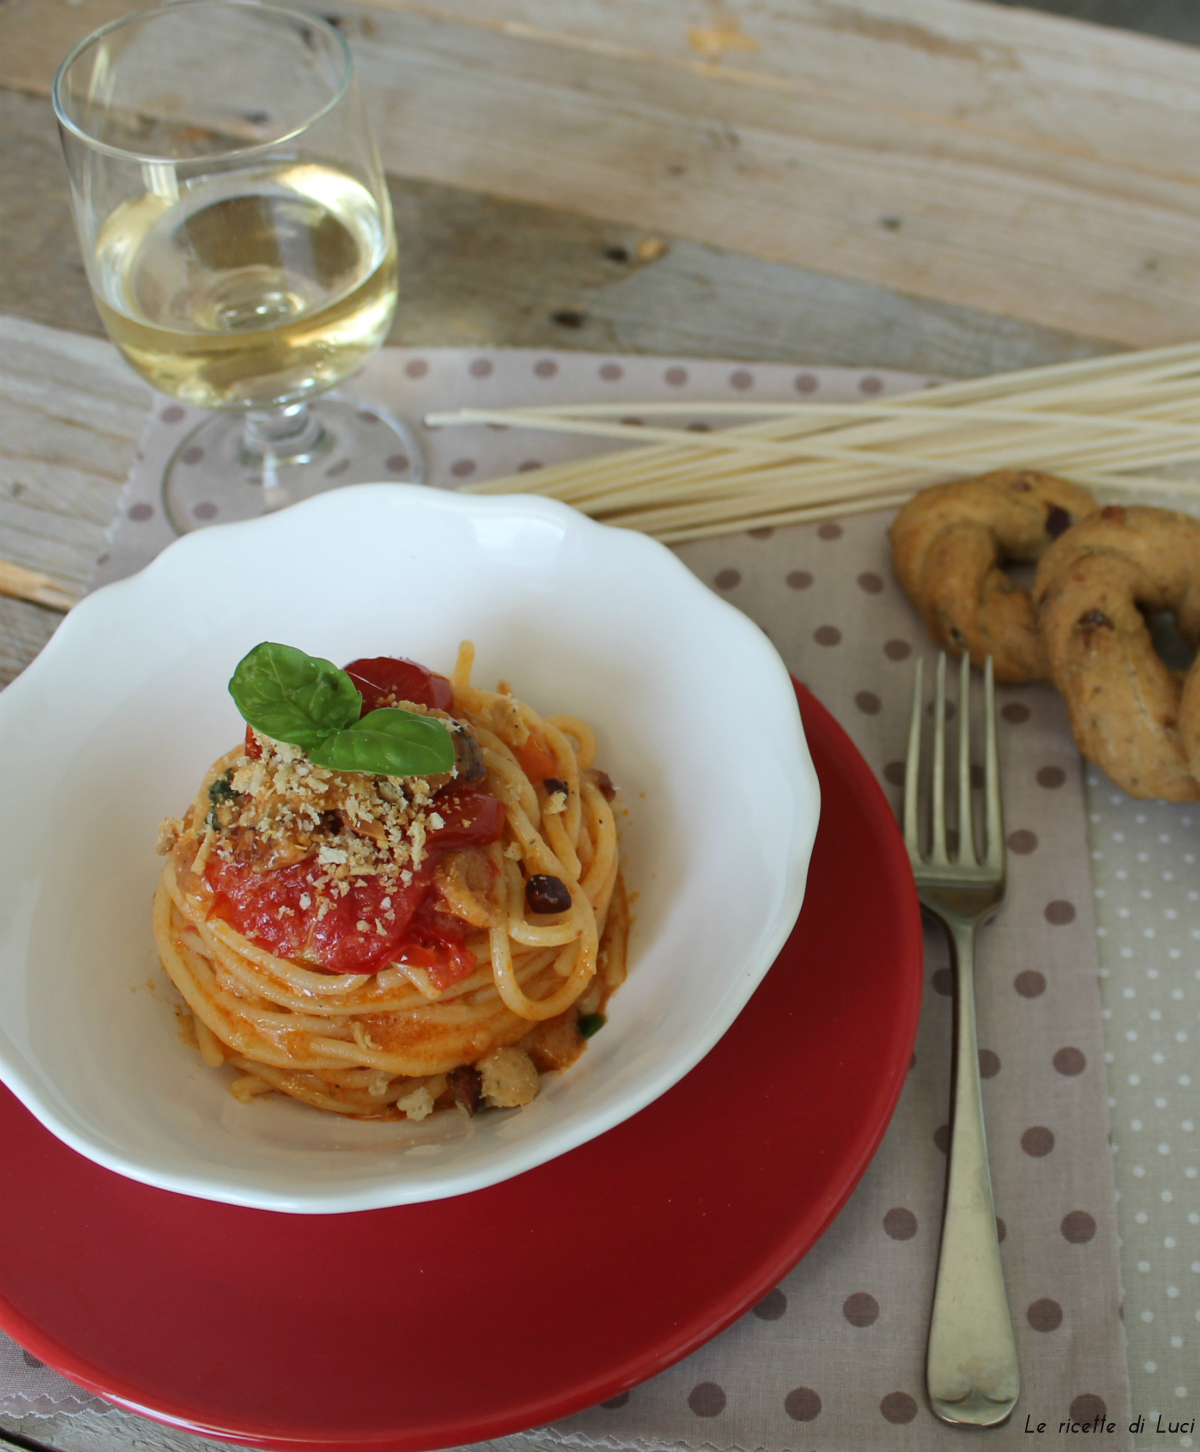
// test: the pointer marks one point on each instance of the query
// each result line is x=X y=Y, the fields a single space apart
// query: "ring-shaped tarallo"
x=1130 y=713
x=950 y=545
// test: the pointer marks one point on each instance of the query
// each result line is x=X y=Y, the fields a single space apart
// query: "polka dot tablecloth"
x=832 y=1358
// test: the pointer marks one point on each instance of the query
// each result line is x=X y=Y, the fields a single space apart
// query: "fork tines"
x=965 y=857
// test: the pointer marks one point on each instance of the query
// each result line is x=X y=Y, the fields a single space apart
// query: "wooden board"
x=479 y=269
x=1020 y=164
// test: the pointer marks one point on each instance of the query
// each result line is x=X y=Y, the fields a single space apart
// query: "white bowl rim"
x=92 y=616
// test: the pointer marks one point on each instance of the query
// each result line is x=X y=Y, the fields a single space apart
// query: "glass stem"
x=289 y=435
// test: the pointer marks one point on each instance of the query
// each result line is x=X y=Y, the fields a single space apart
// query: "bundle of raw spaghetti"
x=1105 y=422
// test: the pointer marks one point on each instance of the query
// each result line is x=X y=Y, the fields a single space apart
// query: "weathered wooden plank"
x=71 y=418
x=1020 y=164
x=479 y=269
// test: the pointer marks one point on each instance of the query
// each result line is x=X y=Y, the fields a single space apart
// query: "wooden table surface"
x=945 y=186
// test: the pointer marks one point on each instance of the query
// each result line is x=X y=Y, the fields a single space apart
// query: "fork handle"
x=971 y=1369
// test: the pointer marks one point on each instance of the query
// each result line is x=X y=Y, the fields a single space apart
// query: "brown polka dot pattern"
x=707 y=1399
x=398 y=464
x=416 y=368
x=898 y=1407
x=546 y=368
x=171 y=415
x=1044 y=1315
x=772 y=1306
x=205 y=510
x=335 y=471
x=192 y=454
x=899 y=1223
x=676 y=377
x=861 y=1309
x=461 y=468
x=481 y=368
x=1037 y=1141
x=529 y=465
x=1078 y=1227
x=698 y=426
x=870 y=384
x=727 y=579
x=1059 y=912
x=742 y=379
x=989 y=1063
x=802 y=1404
x=141 y=512
x=1025 y=1025
x=830 y=530
x=827 y=635
x=763 y=532
x=1087 y=1407
x=1070 y=1061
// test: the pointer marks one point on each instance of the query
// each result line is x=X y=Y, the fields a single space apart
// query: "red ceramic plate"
x=364 y=1331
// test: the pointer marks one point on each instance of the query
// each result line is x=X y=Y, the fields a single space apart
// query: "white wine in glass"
x=239 y=243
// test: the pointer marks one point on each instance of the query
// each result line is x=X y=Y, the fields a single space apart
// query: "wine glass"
x=238 y=239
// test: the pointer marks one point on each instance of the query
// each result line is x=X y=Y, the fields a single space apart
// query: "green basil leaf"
x=388 y=742
x=293 y=697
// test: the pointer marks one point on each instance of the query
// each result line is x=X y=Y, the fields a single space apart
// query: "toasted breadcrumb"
x=509 y=1078
x=169 y=831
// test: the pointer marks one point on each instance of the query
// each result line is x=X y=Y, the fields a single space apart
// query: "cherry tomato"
x=381 y=677
x=437 y=942
x=268 y=907
x=472 y=819
x=536 y=762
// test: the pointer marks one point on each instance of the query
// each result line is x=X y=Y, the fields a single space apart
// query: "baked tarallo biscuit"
x=949 y=546
x=1130 y=714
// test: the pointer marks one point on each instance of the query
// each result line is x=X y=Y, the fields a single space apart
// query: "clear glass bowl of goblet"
x=238 y=238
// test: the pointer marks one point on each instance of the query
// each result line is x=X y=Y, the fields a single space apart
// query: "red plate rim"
x=847 y=782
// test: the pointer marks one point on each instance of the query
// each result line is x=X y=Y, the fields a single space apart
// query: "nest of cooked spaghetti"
x=384 y=946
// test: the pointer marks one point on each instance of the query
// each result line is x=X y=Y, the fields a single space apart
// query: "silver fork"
x=971 y=1367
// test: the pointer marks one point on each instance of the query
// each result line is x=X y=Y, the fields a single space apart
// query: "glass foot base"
x=213 y=477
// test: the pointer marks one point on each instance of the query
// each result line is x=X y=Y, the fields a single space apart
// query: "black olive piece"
x=546 y=894
x=1058 y=521
x=466 y=1084
x=468 y=759
x=552 y=785
x=603 y=781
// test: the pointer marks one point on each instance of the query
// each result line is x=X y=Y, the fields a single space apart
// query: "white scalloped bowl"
x=111 y=728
